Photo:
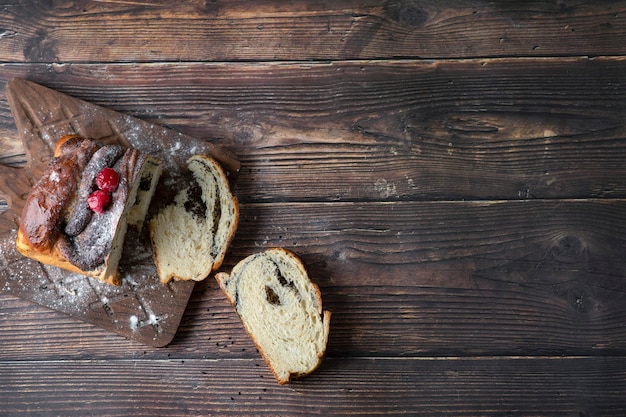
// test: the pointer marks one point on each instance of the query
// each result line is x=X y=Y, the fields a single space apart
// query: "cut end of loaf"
x=134 y=214
x=190 y=236
x=281 y=309
x=76 y=238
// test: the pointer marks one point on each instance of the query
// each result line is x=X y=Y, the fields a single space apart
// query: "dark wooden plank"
x=348 y=29
x=209 y=328
x=341 y=386
x=405 y=278
x=470 y=277
x=390 y=163
x=483 y=129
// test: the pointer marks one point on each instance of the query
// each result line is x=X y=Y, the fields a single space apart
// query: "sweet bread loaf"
x=191 y=235
x=281 y=309
x=76 y=216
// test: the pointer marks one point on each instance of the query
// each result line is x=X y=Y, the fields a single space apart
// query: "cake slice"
x=190 y=237
x=281 y=309
x=76 y=216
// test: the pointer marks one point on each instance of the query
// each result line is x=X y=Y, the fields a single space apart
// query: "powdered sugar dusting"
x=172 y=148
x=141 y=308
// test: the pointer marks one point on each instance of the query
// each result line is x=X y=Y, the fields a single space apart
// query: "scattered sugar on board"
x=73 y=293
x=76 y=294
x=129 y=280
x=153 y=320
x=172 y=148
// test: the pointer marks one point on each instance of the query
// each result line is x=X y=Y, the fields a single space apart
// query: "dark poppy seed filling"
x=270 y=295
x=81 y=214
x=145 y=184
x=194 y=203
x=90 y=247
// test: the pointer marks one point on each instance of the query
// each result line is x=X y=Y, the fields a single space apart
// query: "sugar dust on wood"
x=76 y=294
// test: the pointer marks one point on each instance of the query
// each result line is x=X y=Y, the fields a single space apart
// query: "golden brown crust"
x=55 y=258
x=50 y=196
x=283 y=381
x=222 y=207
x=281 y=378
x=67 y=143
x=231 y=234
x=326 y=322
x=52 y=202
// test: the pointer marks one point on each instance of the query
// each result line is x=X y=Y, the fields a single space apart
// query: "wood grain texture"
x=451 y=172
x=141 y=308
x=192 y=30
x=410 y=278
x=401 y=130
x=393 y=386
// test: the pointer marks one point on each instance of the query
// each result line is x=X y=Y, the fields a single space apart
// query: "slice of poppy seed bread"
x=281 y=309
x=190 y=237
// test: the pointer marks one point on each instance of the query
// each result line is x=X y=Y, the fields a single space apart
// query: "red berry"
x=107 y=180
x=99 y=201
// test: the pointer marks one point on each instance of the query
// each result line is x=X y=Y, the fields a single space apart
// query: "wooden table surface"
x=451 y=172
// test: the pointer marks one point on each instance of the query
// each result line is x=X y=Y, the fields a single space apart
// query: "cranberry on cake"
x=76 y=216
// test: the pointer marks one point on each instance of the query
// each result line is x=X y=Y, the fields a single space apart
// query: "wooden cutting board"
x=142 y=308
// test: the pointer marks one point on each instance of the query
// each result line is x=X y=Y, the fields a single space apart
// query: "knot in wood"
x=408 y=13
x=568 y=247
